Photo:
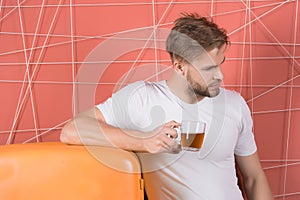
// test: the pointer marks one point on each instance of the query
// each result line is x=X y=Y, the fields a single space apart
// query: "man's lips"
x=216 y=85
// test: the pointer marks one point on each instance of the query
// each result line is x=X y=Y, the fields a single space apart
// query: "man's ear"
x=179 y=66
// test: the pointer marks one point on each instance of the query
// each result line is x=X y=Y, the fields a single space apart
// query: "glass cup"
x=192 y=135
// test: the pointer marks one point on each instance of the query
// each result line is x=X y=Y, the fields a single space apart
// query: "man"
x=144 y=117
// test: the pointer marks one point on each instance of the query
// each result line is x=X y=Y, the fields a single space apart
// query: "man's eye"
x=210 y=68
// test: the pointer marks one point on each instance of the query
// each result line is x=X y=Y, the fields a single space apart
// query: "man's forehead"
x=212 y=57
x=217 y=51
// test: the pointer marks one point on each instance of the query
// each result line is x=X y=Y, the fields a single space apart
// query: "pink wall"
x=43 y=46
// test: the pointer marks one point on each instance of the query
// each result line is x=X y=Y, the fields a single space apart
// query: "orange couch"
x=58 y=171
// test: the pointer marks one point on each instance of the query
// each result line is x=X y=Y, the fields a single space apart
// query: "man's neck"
x=179 y=86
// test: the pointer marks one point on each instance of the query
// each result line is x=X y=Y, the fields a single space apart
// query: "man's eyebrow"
x=212 y=66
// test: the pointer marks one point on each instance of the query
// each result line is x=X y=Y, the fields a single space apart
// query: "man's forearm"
x=90 y=128
x=89 y=131
x=258 y=189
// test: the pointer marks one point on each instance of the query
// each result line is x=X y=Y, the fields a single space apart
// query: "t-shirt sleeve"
x=106 y=108
x=245 y=145
x=117 y=109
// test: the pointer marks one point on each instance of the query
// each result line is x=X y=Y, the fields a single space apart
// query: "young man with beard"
x=143 y=117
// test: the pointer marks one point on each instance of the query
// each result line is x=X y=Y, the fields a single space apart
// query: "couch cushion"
x=58 y=171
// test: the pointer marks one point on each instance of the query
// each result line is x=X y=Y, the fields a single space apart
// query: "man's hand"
x=162 y=139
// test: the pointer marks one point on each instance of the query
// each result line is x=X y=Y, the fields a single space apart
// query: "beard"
x=198 y=90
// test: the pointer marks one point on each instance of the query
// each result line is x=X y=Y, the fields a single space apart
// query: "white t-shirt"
x=208 y=174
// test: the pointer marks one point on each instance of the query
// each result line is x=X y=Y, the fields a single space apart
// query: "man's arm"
x=90 y=128
x=256 y=183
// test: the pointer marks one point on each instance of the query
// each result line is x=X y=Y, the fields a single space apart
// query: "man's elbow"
x=64 y=137
x=69 y=135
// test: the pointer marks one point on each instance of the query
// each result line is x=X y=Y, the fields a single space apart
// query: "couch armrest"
x=58 y=171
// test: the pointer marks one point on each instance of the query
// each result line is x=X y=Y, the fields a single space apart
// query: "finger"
x=166 y=142
x=171 y=132
x=172 y=124
x=175 y=147
x=172 y=145
x=175 y=150
x=166 y=146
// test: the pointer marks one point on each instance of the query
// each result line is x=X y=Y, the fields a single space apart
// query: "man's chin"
x=214 y=92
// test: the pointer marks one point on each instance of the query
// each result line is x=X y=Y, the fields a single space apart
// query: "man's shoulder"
x=233 y=97
x=140 y=85
x=147 y=86
x=126 y=88
x=141 y=89
x=232 y=93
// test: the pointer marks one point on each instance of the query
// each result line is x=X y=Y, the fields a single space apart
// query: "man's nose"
x=218 y=74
